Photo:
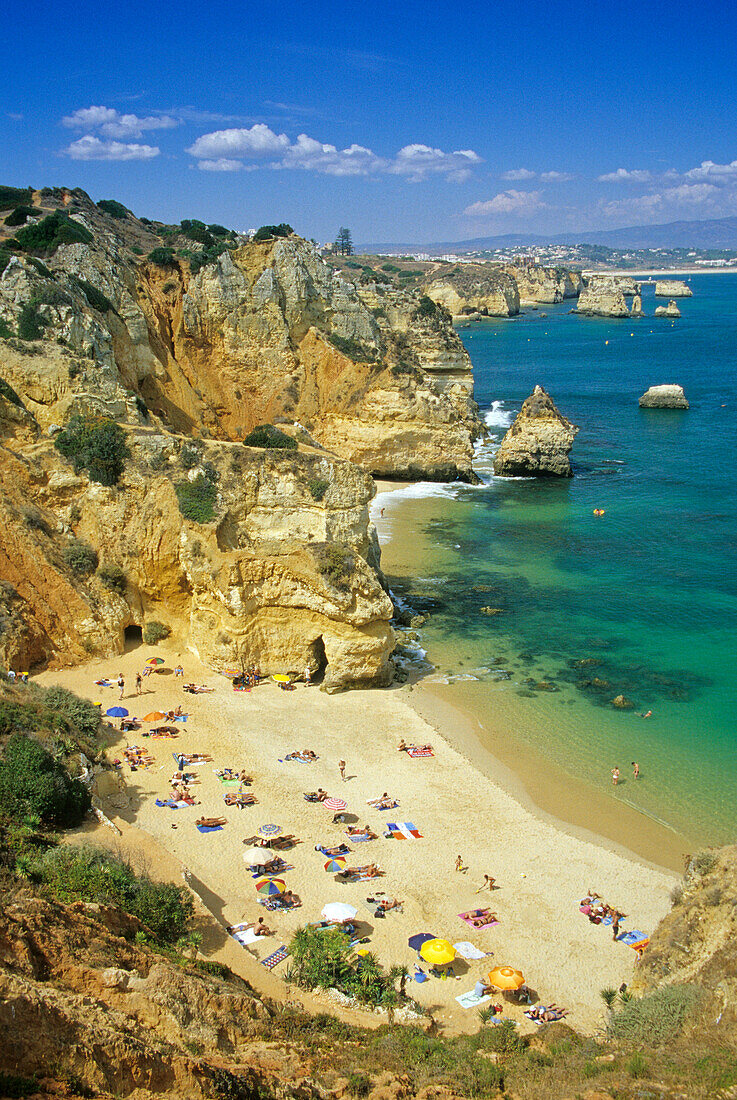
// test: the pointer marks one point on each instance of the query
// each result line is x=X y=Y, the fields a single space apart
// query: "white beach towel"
x=245 y=937
x=470 y=1000
x=468 y=951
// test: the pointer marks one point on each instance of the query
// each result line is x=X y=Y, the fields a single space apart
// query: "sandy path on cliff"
x=541 y=871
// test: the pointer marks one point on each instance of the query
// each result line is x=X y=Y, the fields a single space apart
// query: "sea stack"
x=671 y=310
x=539 y=441
x=664 y=397
x=672 y=288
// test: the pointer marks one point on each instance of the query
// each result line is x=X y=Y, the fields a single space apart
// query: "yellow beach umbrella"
x=506 y=977
x=437 y=952
x=281 y=679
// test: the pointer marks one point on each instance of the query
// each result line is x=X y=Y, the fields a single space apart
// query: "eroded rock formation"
x=486 y=289
x=664 y=397
x=671 y=310
x=604 y=296
x=672 y=288
x=538 y=442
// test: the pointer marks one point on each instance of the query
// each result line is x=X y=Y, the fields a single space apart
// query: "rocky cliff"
x=262 y=331
x=486 y=289
x=538 y=442
x=604 y=296
x=672 y=288
x=539 y=284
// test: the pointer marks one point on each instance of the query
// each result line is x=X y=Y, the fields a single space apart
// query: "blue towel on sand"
x=635 y=936
x=209 y=828
x=420 y=976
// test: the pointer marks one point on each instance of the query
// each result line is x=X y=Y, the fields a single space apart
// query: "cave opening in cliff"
x=132 y=637
x=318 y=660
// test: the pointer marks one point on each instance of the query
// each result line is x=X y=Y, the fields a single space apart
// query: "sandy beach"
x=541 y=870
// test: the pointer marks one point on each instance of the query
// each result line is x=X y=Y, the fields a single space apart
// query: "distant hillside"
x=714 y=233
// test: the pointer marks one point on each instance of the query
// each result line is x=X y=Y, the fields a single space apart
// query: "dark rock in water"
x=622 y=702
x=527 y=694
x=491 y=610
x=418 y=620
x=588 y=662
x=599 y=684
x=529 y=680
x=664 y=397
x=539 y=441
x=545 y=685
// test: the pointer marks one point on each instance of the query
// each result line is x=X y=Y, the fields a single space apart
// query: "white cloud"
x=518 y=174
x=416 y=162
x=253 y=141
x=555 y=177
x=624 y=175
x=716 y=173
x=92 y=148
x=704 y=198
x=507 y=202
x=258 y=146
x=112 y=124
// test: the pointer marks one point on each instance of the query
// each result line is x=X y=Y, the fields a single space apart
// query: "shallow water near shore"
x=640 y=602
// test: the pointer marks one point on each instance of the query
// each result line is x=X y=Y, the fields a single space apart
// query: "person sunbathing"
x=370 y=870
x=316 y=796
x=244 y=778
x=389 y=903
x=240 y=800
x=274 y=865
x=402 y=746
x=256 y=842
x=337 y=850
x=361 y=830
x=211 y=822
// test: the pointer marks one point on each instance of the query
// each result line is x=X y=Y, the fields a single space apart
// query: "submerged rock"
x=491 y=610
x=671 y=310
x=664 y=397
x=622 y=702
x=539 y=441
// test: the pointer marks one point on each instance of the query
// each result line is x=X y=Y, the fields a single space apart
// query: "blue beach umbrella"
x=269 y=830
x=117 y=712
x=416 y=942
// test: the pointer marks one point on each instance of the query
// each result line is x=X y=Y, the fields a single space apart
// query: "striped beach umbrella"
x=154 y=661
x=334 y=804
x=269 y=830
x=270 y=886
x=117 y=712
x=336 y=864
x=231 y=672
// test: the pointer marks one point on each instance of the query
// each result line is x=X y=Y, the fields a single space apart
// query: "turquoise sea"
x=641 y=601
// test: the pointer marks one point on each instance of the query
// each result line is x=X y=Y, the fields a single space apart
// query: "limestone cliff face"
x=538 y=442
x=487 y=289
x=672 y=288
x=671 y=310
x=544 y=285
x=603 y=296
x=266 y=333
x=284 y=576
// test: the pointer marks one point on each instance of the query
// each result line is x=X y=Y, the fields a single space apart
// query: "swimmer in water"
x=635 y=770
x=647 y=714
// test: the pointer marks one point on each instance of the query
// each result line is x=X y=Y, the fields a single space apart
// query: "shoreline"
x=539 y=784
x=667 y=273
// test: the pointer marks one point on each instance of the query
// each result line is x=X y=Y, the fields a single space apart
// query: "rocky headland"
x=487 y=290
x=664 y=397
x=539 y=441
x=672 y=288
x=186 y=338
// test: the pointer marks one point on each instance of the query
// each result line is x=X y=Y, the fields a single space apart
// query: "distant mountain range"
x=714 y=233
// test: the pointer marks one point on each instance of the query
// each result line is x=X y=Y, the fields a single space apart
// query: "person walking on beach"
x=615 y=776
x=341 y=769
x=635 y=770
x=487 y=884
x=121 y=685
x=139 y=683
x=308 y=676
x=179 y=671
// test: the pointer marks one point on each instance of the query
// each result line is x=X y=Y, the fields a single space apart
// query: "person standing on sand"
x=121 y=685
x=635 y=770
x=139 y=683
x=487 y=884
x=459 y=864
x=341 y=769
x=615 y=776
x=308 y=676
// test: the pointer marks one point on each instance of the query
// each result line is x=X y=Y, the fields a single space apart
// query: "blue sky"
x=405 y=121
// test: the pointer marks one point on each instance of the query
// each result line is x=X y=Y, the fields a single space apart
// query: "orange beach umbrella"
x=506 y=977
x=154 y=716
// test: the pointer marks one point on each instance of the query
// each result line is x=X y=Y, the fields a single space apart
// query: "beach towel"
x=230 y=783
x=189 y=763
x=468 y=951
x=420 y=977
x=416 y=754
x=635 y=938
x=173 y=804
x=359 y=839
x=470 y=1000
x=274 y=959
x=245 y=936
x=333 y=850
x=473 y=921
x=209 y=828
x=405 y=830
x=180 y=718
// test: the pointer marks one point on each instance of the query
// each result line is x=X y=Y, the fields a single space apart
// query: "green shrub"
x=162 y=257
x=359 y=1084
x=336 y=564
x=4 y=258
x=267 y=232
x=96 y=444
x=190 y=456
x=637 y=1066
x=703 y=861
x=318 y=487
x=30 y=323
x=154 y=632
x=219 y=230
x=93 y=875
x=13 y=1086
x=113 y=577
x=197 y=499
x=9 y=393
x=11 y=196
x=390 y=267
x=266 y=435
x=113 y=208
x=52 y=231
x=197 y=231
x=6 y=333
x=352 y=349
x=40 y=267
x=426 y=308
x=81 y=714
x=33 y=783
x=656 y=1018
x=80 y=557
x=324 y=960
x=20 y=214
x=136 y=250
x=95 y=297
